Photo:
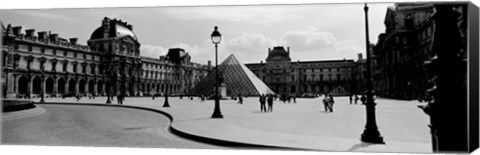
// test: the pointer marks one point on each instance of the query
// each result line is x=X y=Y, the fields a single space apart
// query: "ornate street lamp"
x=216 y=38
x=371 y=133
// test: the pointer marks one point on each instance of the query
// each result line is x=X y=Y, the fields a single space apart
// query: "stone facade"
x=306 y=77
x=402 y=50
x=110 y=63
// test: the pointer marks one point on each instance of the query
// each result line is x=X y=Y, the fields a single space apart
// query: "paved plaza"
x=301 y=125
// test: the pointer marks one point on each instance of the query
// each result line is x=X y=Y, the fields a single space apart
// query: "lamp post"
x=165 y=104
x=371 y=133
x=216 y=38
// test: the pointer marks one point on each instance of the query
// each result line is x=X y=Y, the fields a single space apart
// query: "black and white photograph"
x=318 y=77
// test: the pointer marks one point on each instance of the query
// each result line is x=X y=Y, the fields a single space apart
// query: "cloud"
x=309 y=38
x=152 y=51
x=43 y=14
x=250 y=46
x=199 y=54
x=250 y=14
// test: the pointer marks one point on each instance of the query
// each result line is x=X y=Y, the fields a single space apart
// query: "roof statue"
x=237 y=78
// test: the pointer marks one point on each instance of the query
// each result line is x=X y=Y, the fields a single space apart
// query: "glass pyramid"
x=339 y=91
x=237 y=78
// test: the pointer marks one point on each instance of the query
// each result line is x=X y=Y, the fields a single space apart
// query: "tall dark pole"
x=370 y=134
x=166 y=104
x=216 y=111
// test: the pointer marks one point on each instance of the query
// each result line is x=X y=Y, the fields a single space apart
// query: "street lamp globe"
x=216 y=36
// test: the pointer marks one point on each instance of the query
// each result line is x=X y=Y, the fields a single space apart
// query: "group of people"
x=328 y=102
x=354 y=98
x=288 y=98
x=266 y=100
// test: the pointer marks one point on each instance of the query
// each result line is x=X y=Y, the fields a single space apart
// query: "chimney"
x=30 y=32
x=53 y=37
x=42 y=35
x=209 y=64
x=73 y=41
x=288 y=49
x=360 y=56
x=17 y=30
x=261 y=62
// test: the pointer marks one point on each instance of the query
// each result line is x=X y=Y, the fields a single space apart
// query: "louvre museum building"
x=43 y=62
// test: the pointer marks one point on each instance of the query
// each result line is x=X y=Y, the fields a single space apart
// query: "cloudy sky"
x=313 y=32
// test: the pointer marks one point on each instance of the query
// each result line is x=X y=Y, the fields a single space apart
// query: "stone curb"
x=35 y=110
x=186 y=135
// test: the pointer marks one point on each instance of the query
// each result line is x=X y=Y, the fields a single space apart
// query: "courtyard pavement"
x=301 y=125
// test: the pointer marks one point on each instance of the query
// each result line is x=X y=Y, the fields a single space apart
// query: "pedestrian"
x=356 y=98
x=294 y=98
x=331 y=102
x=240 y=99
x=119 y=98
x=262 y=103
x=326 y=101
x=270 y=103
x=78 y=97
x=363 y=99
x=351 y=98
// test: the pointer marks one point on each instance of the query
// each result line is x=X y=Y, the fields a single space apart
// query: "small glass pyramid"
x=339 y=91
x=237 y=78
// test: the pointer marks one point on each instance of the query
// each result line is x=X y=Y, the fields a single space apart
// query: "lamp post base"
x=372 y=137
x=217 y=115
x=216 y=111
x=165 y=104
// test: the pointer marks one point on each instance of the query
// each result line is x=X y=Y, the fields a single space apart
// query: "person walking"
x=262 y=103
x=119 y=98
x=363 y=99
x=326 y=101
x=78 y=97
x=294 y=98
x=331 y=102
x=351 y=98
x=270 y=103
x=356 y=98
x=240 y=99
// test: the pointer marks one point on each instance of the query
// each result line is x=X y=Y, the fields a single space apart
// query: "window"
x=92 y=70
x=65 y=66
x=409 y=21
x=74 y=68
